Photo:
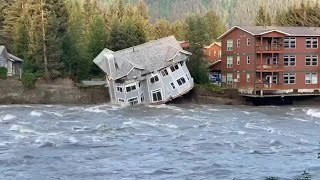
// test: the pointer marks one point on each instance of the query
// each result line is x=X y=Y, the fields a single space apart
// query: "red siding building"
x=213 y=52
x=261 y=60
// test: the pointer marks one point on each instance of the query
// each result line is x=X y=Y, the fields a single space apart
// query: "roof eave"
x=233 y=28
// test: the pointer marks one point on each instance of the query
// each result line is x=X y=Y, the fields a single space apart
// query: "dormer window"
x=154 y=79
x=119 y=89
x=174 y=68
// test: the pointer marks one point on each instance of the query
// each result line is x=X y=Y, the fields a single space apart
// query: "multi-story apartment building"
x=260 y=60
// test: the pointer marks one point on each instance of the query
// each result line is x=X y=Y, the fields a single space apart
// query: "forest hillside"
x=233 y=12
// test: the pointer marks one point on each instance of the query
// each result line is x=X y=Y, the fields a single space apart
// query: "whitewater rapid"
x=158 y=142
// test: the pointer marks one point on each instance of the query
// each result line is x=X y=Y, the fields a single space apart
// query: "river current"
x=158 y=142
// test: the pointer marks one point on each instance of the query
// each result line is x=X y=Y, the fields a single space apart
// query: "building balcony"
x=264 y=86
x=269 y=68
x=269 y=49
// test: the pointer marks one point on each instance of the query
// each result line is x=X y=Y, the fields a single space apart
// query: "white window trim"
x=156 y=91
x=229 y=65
x=312 y=40
x=248 y=59
x=311 y=58
x=295 y=78
x=121 y=100
x=230 y=42
x=289 y=43
x=310 y=76
x=289 y=56
x=238 y=60
x=248 y=42
x=238 y=77
x=248 y=77
x=238 y=43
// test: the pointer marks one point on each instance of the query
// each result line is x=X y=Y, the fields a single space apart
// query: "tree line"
x=60 y=38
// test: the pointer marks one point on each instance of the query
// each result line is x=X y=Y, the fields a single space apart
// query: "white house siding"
x=3 y=60
x=167 y=80
x=155 y=86
x=182 y=72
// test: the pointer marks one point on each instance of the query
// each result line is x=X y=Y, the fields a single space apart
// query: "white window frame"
x=238 y=77
x=238 y=60
x=288 y=60
x=155 y=79
x=229 y=78
x=229 y=61
x=173 y=68
x=248 y=77
x=290 y=43
x=156 y=91
x=173 y=86
x=164 y=73
x=230 y=45
x=312 y=60
x=219 y=55
x=120 y=89
x=142 y=98
x=312 y=43
x=133 y=101
x=182 y=80
x=238 y=43
x=289 y=77
x=248 y=41
x=131 y=88
x=248 y=59
x=311 y=78
x=121 y=100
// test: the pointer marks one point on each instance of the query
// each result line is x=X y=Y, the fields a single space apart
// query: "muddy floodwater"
x=158 y=142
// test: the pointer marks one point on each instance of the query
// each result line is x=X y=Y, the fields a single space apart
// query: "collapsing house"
x=154 y=72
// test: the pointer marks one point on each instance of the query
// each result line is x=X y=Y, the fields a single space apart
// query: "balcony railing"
x=268 y=86
x=269 y=67
x=269 y=48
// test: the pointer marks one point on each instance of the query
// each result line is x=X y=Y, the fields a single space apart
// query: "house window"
x=311 y=78
x=119 y=89
x=142 y=97
x=164 y=72
x=139 y=84
x=156 y=95
x=238 y=60
x=238 y=42
x=238 y=77
x=131 y=88
x=219 y=54
x=214 y=53
x=275 y=79
x=174 y=68
x=289 y=60
x=133 y=101
x=187 y=76
x=181 y=81
x=154 y=79
x=181 y=63
x=289 y=42
x=173 y=86
x=248 y=41
x=248 y=77
x=230 y=45
x=121 y=100
x=248 y=59
x=289 y=78
x=311 y=60
x=229 y=78
x=229 y=61
x=312 y=43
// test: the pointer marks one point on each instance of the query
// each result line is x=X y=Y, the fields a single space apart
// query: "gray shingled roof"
x=1 y=49
x=149 y=57
x=12 y=57
x=290 y=31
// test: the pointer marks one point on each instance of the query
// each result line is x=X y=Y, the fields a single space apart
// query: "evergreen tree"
x=179 y=30
x=215 y=26
x=263 y=18
x=162 y=29
x=197 y=37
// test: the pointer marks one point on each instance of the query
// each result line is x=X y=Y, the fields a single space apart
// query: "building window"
x=214 y=53
x=133 y=101
x=154 y=79
x=311 y=78
x=181 y=81
x=219 y=54
x=289 y=78
x=238 y=77
x=248 y=77
x=119 y=89
x=238 y=42
x=238 y=60
x=182 y=63
x=156 y=95
x=131 y=88
x=229 y=61
x=173 y=86
x=229 y=78
x=248 y=59
x=230 y=45
x=187 y=76
x=142 y=97
x=289 y=42
x=248 y=41
x=164 y=73
x=289 y=60
x=174 y=68
x=312 y=43
x=121 y=100
x=311 y=60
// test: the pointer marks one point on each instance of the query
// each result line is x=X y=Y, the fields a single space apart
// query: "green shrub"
x=3 y=73
x=29 y=80
x=212 y=87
